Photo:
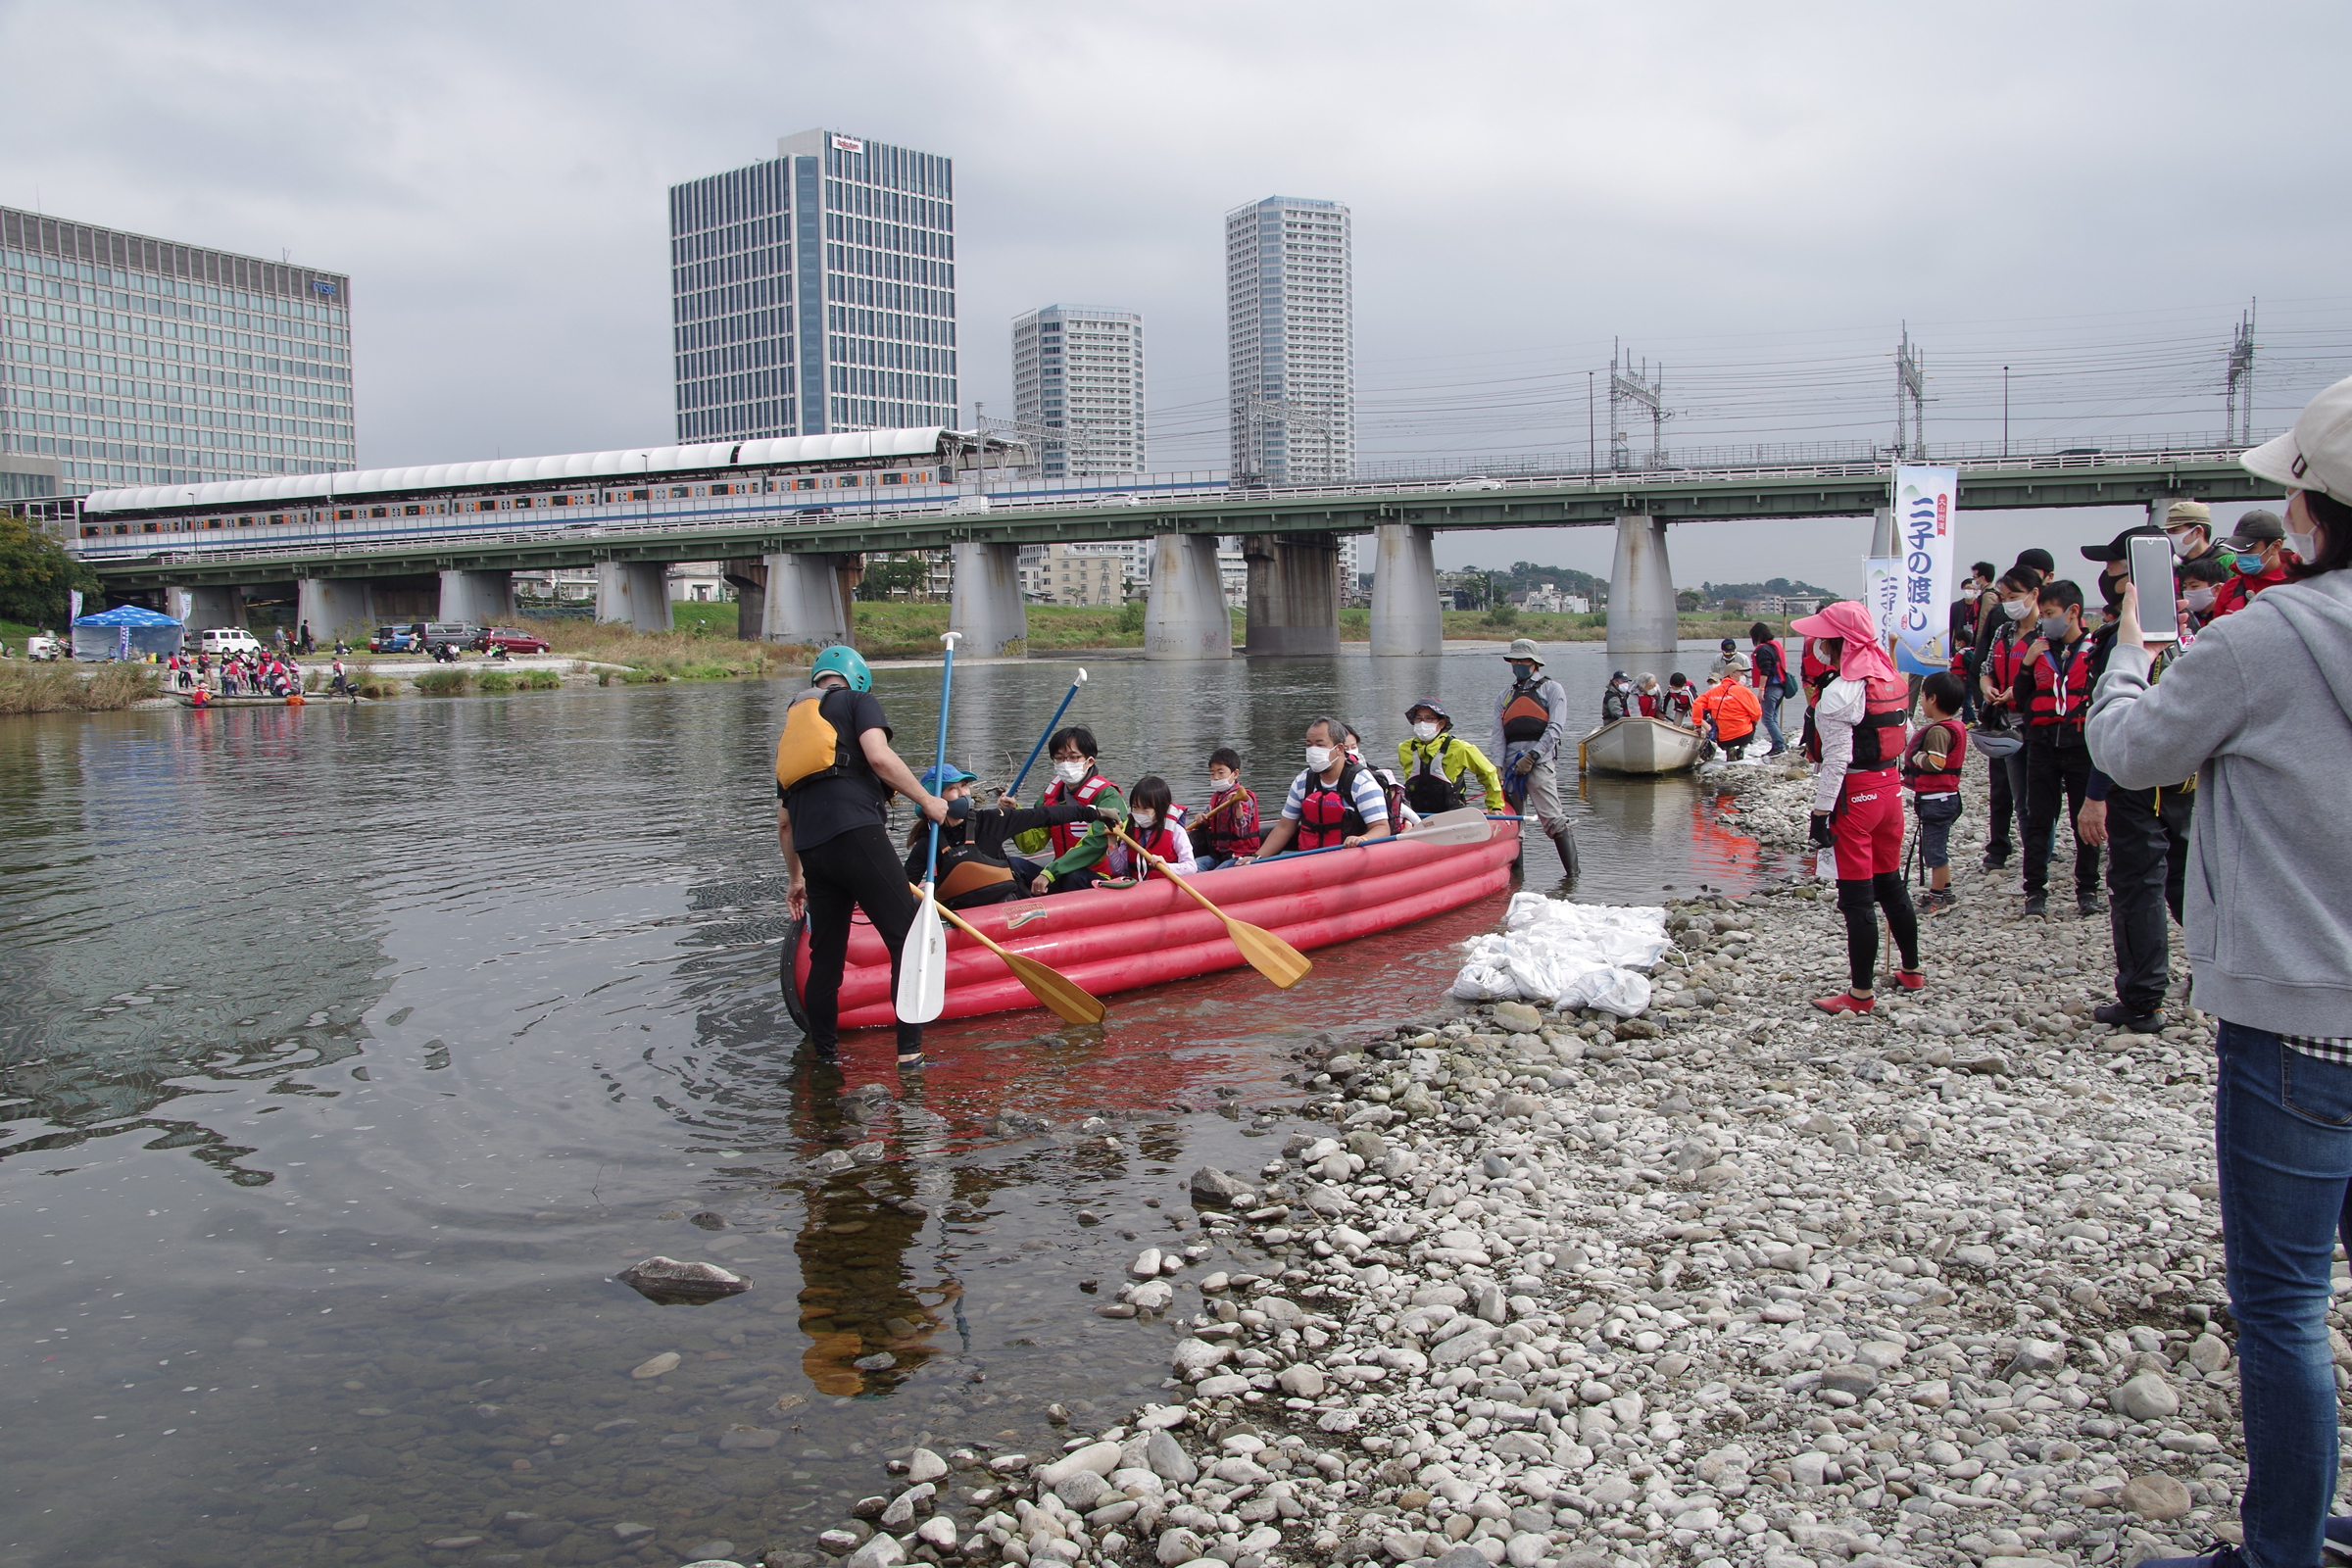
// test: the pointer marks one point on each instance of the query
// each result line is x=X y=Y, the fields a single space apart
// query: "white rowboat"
x=1638 y=744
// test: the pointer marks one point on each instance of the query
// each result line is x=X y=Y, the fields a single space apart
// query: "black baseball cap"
x=2256 y=529
x=2119 y=547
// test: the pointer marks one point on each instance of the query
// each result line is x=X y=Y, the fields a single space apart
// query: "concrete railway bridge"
x=794 y=571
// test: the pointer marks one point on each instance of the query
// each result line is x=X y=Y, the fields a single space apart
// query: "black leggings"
x=1860 y=899
x=858 y=867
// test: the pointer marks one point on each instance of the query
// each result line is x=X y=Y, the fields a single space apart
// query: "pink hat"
x=1861 y=657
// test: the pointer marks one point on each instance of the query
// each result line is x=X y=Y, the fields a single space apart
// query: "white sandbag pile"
x=1566 y=954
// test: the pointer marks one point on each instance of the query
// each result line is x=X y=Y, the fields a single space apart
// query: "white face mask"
x=2199 y=599
x=1144 y=818
x=1318 y=758
x=1071 y=772
x=2016 y=608
x=1218 y=785
x=2305 y=546
x=2181 y=541
x=1425 y=731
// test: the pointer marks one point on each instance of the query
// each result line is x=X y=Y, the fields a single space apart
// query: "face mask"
x=2016 y=608
x=2052 y=628
x=1144 y=818
x=2199 y=599
x=2304 y=545
x=2250 y=564
x=1219 y=783
x=2181 y=541
x=1425 y=732
x=1070 y=772
x=1520 y=671
x=1318 y=758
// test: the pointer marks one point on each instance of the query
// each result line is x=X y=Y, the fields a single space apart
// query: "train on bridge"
x=876 y=474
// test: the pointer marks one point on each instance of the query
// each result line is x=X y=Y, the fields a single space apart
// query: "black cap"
x=2119 y=547
x=2256 y=529
x=1730 y=643
x=2038 y=558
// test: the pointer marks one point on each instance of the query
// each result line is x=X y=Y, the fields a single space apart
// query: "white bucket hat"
x=2317 y=453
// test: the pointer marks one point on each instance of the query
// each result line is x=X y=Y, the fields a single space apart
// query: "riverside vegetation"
x=1724 y=1282
x=64 y=688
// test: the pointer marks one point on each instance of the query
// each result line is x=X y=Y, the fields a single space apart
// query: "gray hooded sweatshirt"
x=2261 y=706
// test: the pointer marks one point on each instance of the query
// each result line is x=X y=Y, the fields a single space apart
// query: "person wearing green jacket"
x=1438 y=765
x=1076 y=853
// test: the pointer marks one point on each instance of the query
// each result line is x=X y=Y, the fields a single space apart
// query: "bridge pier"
x=747 y=576
x=1185 y=615
x=487 y=598
x=335 y=606
x=1405 y=615
x=1643 y=628
x=205 y=609
x=805 y=600
x=1294 y=595
x=985 y=606
x=636 y=592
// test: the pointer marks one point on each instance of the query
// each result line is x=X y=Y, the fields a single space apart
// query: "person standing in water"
x=1530 y=720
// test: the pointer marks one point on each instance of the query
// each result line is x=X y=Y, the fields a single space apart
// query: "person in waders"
x=1857 y=801
x=1529 y=718
x=835 y=772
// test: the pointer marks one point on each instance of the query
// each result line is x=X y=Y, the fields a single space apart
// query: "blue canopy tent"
x=126 y=632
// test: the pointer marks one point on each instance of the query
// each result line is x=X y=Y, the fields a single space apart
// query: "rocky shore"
x=1728 y=1283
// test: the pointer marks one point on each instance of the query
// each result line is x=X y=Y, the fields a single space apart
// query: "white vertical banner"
x=1926 y=501
x=1882 y=591
x=73 y=606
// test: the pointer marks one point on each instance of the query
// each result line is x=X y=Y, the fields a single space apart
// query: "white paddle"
x=923 y=961
x=1466 y=825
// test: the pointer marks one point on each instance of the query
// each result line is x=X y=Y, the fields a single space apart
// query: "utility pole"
x=1643 y=390
x=2004 y=411
x=1592 y=430
x=1910 y=397
x=2240 y=378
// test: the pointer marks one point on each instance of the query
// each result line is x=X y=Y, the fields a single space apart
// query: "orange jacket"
x=1733 y=706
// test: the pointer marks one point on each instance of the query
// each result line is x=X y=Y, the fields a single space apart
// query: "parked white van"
x=226 y=640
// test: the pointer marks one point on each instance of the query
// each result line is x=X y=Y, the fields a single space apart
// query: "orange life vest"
x=1526 y=715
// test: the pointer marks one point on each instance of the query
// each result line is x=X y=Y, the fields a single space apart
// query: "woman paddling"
x=1857 y=800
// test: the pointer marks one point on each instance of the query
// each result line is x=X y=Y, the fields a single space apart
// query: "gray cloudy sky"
x=1757 y=196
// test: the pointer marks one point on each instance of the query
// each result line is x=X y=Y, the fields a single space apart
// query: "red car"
x=512 y=641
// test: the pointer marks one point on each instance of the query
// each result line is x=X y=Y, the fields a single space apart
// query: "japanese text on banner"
x=1924 y=502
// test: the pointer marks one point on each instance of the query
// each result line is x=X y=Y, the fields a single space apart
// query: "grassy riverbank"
x=27 y=688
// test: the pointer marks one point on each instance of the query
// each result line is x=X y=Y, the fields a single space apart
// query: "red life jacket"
x=1765 y=672
x=1327 y=812
x=1946 y=782
x=1161 y=840
x=2062 y=692
x=2004 y=658
x=1883 y=699
x=1526 y=715
x=1065 y=835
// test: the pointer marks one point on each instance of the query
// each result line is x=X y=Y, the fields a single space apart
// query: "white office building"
x=1290 y=341
x=814 y=292
x=1081 y=369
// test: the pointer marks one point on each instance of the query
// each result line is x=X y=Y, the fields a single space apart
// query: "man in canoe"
x=1077 y=856
x=975 y=869
x=1440 y=767
x=1333 y=802
x=1530 y=718
x=835 y=772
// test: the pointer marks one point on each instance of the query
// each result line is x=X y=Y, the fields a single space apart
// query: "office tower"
x=134 y=360
x=814 y=292
x=1081 y=369
x=1290 y=341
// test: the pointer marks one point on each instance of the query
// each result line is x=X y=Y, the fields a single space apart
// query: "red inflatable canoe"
x=1109 y=940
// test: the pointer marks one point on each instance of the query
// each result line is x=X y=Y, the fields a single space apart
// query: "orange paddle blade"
x=1056 y=991
x=1267 y=952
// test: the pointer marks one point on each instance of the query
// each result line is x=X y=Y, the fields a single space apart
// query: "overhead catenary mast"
x=2238 y=388
x=1641 y=389
x=1910 y=399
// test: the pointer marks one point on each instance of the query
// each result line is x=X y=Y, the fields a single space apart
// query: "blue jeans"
x=2282 y=1140
x=1771 y=696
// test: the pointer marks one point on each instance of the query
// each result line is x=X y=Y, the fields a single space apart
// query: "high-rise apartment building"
x=814 y=292
x=134 y=360
x=1289 y=316
x=1081 y=369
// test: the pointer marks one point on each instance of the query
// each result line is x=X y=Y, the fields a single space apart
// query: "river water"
x=349 y=1054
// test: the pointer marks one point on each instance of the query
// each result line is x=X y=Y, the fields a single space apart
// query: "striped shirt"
x=1370 y=803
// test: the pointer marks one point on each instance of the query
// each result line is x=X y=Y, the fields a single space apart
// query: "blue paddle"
x=1048 y=735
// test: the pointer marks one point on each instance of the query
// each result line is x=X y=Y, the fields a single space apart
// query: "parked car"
x=512 y=641
x=44 y=650
x=428 y=635
x=390 y=640
x=218 y=640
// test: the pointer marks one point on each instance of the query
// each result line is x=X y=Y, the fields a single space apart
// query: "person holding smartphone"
x=2144 y=831
x=2261 y=706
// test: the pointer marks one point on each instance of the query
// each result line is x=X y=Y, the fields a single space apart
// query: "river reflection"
x=349 y=1053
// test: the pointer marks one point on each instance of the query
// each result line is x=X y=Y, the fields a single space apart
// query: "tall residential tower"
x=814 y=292
x=132 y=361
x=1081 y=369
x=1289 y=316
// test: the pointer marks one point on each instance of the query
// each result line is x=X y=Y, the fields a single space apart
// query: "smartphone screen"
x=2159 y=599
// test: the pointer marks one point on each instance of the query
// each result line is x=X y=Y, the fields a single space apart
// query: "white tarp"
x=1567 y=955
